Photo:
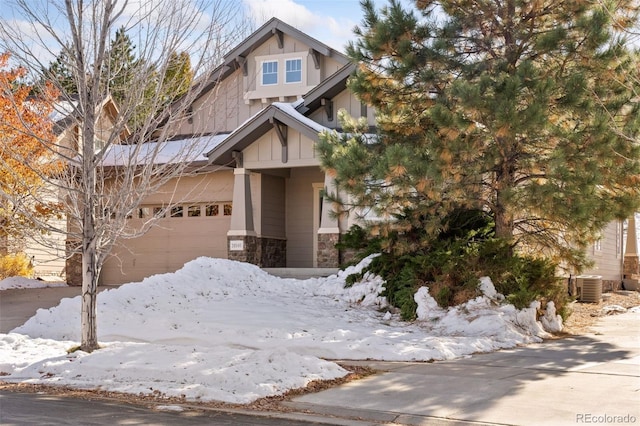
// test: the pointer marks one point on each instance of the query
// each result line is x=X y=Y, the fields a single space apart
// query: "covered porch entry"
x=281 y=220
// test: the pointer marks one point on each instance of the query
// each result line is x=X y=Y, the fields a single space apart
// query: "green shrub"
x=15 y=265
x=452 y=262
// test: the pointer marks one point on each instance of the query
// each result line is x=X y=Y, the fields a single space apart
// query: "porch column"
x=241 y=238
x=631 y=266
x=329 y=232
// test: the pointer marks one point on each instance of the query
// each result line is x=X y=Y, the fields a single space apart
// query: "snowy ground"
x=22 y=282
x=228 y=331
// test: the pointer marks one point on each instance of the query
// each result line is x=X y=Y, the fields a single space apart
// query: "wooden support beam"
x=279 y=37
x=241 y=62
x=316 y=58
x=328 y=107
x=282 y=132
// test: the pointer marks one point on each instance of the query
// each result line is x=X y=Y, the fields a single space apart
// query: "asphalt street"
x=37 y=409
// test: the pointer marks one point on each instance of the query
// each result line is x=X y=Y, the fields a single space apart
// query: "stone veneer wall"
x=631 y=266
x=328 y=253
x=264 y=252
x=273 y=253
x=249 y=253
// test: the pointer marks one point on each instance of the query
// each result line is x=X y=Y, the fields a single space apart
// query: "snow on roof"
x=62 y=110
x=166 y=152
x=290 y=109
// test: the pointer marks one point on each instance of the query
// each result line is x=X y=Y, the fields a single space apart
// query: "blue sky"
x=330 y=21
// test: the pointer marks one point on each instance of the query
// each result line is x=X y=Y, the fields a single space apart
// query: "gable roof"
x=327 y=89
x=292 y=115
x=260 y=124
x=65 y=115
x=274 y=27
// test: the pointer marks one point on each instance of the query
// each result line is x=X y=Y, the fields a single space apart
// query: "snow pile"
x=22 y=282
x=228 y=331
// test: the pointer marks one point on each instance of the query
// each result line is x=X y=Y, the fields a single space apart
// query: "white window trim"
x=285 y=70
x=277 y=73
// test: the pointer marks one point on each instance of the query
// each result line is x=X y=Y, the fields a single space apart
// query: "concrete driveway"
x=18 y=305
x=591 y=379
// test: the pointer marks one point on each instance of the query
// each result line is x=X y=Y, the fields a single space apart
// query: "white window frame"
x=262 y=73
x=286 y=73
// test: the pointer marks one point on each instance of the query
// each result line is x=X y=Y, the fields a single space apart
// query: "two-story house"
x=259 y=199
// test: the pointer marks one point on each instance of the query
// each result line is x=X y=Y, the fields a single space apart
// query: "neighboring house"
x=48 y=254
x=260 y=199
x=607 y=255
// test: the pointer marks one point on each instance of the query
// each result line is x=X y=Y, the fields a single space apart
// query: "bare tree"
x=108 y=171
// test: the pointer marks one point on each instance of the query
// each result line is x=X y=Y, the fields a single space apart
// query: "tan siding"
x=273 y=206
x=344 y=100
x=299 y=220
x=49 y=259
x=220 y=110
x=608 y=258
x=266 y=152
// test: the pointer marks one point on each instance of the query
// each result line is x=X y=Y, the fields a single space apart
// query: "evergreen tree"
x=123 y=69
x=59 y=73
x=178 y=76
x=119 y=70
x=525 y=109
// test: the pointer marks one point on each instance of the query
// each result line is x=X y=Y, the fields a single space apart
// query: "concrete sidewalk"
x=590 y=379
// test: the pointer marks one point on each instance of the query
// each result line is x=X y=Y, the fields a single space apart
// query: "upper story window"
x=293 y=69
x=269 y=73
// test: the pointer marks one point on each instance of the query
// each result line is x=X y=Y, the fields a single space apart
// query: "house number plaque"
x=236 y=245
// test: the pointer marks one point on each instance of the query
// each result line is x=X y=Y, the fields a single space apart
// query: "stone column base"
x=264 y=252
x=243 y=248
x=328 y=253
x=631 y=266
x=273 y=252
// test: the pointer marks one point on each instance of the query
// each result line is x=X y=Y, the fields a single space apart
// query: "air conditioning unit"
x=589 y=288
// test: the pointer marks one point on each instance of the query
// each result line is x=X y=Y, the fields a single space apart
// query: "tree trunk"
x=89 y=341
x=504 y=183
x=90 y=256
x=504 y=221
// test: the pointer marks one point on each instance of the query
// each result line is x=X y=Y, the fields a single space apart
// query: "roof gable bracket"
x=282 y=131
x=328 y=108
x=316 y=57
x=241 y=62
x=279 y=37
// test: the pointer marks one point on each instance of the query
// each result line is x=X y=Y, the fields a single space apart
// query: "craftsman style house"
x=259 y=199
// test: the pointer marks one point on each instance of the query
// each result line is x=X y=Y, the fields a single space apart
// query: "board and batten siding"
x=266 y=152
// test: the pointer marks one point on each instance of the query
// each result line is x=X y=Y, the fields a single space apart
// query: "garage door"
x=187 y=232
